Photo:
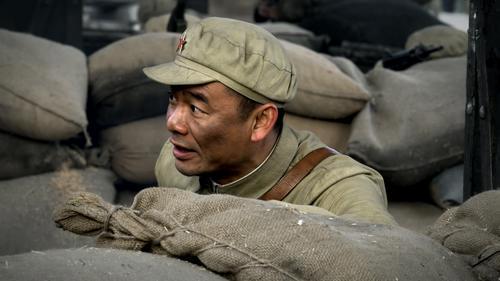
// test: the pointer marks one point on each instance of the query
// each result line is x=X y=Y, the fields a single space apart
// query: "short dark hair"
x=247 y=105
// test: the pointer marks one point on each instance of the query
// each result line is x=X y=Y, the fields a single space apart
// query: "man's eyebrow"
x=199 y=96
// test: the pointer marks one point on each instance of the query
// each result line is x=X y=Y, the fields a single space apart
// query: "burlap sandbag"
x=414 y=126
x=294 y=33
x=453 y=41
x=94 y=264
x=249 y=239
x=152 y=8
x=473 y=230
x=323 y=92
x=159 y=23
x=43 y=85
x=134 y=148
x=447 y=188
x=334 y=134
x=350 y=69
x=22 y=157
x=27 y=204
x=120 y=92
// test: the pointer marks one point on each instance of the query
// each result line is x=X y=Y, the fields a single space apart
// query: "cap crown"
x=243 y=56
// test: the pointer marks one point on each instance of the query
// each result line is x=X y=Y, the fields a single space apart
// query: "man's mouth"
x=182 y=153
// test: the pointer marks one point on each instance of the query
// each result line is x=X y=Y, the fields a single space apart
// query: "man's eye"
x=171 y=99
x=195 y=109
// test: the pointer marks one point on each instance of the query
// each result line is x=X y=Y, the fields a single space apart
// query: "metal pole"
x=482 y=126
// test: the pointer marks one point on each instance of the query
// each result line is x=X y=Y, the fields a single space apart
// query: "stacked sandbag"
x=134 y=148
x=473 y=230
x=323 y=91
x=453 y=41
x=128 y=107
x=447 y=188
x=413 y=127
x=326 y=93
x=27 y=204
x=159 y=23
x=95 y=264
x=120 y=92
x=22 y=156
x=247 y=239
x=294 y=34
x=242 y=10
x=43 y=85
x=334 y=134
x=153 y=8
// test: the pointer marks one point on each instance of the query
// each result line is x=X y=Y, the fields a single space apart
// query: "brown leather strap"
x=297 y=173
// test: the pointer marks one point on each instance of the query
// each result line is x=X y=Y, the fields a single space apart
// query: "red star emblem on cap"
x=182 y=42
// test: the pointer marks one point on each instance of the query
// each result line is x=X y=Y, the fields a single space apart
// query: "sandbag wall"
x=128 y=109
x=43 y=134
x=43 y=86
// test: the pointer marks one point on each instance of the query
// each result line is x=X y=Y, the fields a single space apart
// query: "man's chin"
x=184 y=169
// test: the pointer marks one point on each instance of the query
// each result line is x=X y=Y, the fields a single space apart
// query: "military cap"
x=241 y=55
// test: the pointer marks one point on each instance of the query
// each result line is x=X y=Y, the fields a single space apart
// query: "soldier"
x=229 y=82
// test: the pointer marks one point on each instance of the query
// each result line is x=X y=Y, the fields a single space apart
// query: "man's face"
x=208 y=134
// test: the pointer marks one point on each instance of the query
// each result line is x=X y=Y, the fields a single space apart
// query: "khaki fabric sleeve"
x=360 y=197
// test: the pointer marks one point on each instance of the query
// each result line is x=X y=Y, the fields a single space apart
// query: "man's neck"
x=257 y=158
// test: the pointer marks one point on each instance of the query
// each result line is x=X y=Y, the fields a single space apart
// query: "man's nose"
x=176 y=121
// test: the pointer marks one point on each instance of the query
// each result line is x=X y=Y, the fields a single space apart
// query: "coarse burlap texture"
x=43 y=85
x=120 y=92
x=473 y=230
x=248 y=239
x=413 y=127
x=134 y=148
x=27 y=204
x=159 y=23
x=333 y=134
x=22 y=156
x=96 y=264
x=323 y=92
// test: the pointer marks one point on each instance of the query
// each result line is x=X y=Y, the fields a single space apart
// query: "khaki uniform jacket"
x=338 y=184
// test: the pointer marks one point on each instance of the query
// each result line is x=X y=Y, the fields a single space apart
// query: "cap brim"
x=174 y=74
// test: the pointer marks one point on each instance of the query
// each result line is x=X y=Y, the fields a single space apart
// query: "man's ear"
x=264 y=118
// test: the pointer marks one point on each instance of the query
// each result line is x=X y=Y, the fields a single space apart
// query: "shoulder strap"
x=297 y=173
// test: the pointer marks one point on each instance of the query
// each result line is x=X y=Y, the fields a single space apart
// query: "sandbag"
x=95 y=264
x=27 y=204
x=159 y=23
x=350 y=69
x=248 y=239
x=453 y=41
x=323 y=91
x=334 y=134
x=295 y=34
x=473 y=230
x=43 y=85
x=22 y=157
x=134 y=148
x=377 y=22
x=120 y=91
x=414 y=126
x=447 y=188
x=153 y=8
